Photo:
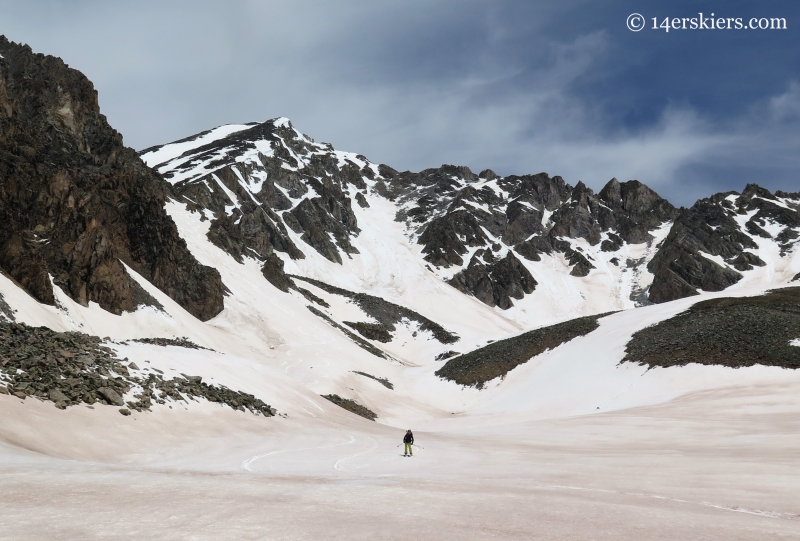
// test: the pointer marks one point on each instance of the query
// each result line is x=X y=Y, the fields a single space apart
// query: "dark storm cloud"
x=519 y=87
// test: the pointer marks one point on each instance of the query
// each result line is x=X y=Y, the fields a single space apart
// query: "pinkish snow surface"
x=720 y=464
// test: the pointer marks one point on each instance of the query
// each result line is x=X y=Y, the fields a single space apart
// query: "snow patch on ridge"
x=171 y=151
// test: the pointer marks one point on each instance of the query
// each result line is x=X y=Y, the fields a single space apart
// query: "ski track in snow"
x=249 y=462
x=735 y=509
x=338 y=465
x=309 y=401
x=368 y=451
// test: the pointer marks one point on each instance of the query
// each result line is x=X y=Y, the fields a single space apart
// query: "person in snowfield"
x=408 y=440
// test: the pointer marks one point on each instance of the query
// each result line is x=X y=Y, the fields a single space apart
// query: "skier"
x=408 y=440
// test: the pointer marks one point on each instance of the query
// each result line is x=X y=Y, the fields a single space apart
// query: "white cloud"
x=381 y=79
x=786 y=106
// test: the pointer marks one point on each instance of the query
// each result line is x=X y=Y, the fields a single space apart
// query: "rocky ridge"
x=383 y=381
x=387 y=315
x=262 y=180
x=360 y=342
x=269 y=188
x=456 y=213
x=79 y=209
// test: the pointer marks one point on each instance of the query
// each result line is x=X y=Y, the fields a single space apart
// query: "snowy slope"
x=236 y=186
x=386 y=256
x=389 y=260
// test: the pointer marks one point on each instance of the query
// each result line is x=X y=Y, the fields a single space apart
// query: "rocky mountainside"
x=78 y=208
x=87 y=216
x=712 y=243
x=386 y=292
x=268 y=188
x=478 y=222
x=254 y=181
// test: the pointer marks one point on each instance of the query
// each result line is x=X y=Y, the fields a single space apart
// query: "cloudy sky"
x=560 y=86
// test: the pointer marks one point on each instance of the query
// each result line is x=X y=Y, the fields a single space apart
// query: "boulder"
x=111 y=396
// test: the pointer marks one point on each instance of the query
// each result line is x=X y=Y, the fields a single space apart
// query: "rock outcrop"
x=495 y=281
x=351 y=405
x=78 y=207
x=498 y=358
x=386 y=313
x=635 y=211
x=707 y=245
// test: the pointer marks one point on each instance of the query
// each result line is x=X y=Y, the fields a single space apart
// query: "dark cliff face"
x=628 y=210
x=494 y=281
x=635 y=210
x=77 y=205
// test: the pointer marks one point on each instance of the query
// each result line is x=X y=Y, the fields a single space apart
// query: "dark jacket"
x=408 y=438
